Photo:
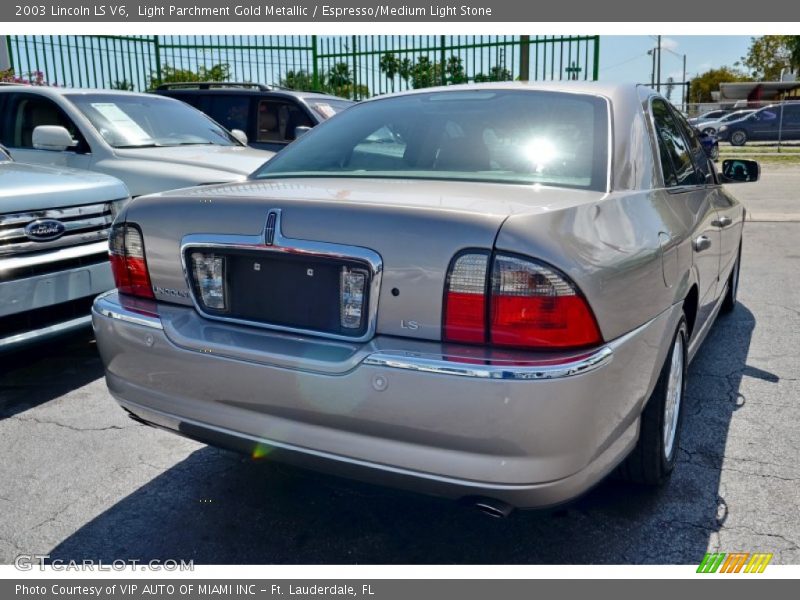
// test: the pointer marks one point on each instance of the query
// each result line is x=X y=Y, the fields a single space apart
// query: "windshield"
x=503 y=136
x=327 y=107
x=135 y=121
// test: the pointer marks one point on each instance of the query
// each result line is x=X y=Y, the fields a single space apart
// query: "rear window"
x=502 y=136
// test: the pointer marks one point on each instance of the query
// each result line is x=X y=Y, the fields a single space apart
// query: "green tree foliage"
x=701 y=86
x=389 y=66
x=768 y=55
x=124 y=85
x=170 y=74
x=496 y=73
x=300 y=80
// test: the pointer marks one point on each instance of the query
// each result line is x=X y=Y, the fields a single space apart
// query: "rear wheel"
x=715 y=152
x=738 y=137
x=709 y=131
x=654 y=456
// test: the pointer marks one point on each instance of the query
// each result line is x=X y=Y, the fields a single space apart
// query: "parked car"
x=488 y=292
x=711 y=115
x=709 y=142
x=270 y=117
x=711 y=127
x=151 y=143
x=54 y=226
x=764 y=125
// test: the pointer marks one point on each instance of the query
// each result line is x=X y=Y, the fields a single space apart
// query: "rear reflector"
x=128 y=264
x=465 y=299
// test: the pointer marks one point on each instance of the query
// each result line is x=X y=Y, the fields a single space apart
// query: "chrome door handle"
x=722 y=222
x=702 y=243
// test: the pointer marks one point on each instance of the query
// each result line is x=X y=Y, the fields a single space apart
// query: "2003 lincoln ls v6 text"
x=486 y=292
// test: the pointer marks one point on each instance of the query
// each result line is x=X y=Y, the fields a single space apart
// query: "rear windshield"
x=502 y=136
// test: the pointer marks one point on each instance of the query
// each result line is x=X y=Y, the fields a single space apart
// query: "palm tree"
x=389 y=65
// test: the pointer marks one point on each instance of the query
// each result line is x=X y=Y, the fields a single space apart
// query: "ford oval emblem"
x=45 y=230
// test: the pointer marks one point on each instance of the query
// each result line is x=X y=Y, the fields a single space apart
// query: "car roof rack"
x=207 y=85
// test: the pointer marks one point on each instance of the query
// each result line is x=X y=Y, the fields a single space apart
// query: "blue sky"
x=624 y=58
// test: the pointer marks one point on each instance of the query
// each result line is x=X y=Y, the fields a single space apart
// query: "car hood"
x=26 y=187
x=241 y=160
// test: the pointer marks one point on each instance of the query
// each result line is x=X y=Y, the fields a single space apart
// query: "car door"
x=730 y=213
x=689 y=192
x=763 y=124
x=24 y=112
x=791 y=122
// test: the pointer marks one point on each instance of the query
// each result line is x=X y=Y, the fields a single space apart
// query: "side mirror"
x=240 y=136
x=52 y=137
x=740 y=171
x=301 y=130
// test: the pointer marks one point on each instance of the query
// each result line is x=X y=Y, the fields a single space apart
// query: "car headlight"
x=116 y=207
x=723 y=128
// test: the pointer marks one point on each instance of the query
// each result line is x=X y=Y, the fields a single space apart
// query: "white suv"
x=150 y=142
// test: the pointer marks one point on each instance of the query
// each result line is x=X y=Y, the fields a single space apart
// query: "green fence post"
x=596 y=69
x=157 y=54
x=442 y=60
x=314 y=66
x=524 y=57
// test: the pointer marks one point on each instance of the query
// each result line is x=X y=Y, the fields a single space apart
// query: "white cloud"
x=669 y=44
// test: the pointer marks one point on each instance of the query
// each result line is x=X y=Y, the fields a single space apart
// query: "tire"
x=710 y=131
x=652 y=460
x=715 y=153
x=729 y=303
x=738 y=137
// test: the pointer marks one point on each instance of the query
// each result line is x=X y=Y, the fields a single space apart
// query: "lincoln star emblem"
x=45 y=230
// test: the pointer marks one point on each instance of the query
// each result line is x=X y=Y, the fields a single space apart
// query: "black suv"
x=269 y=116
x=764 y=124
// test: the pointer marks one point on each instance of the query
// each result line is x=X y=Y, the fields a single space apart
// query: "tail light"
x=128 y=264
x=518 y=303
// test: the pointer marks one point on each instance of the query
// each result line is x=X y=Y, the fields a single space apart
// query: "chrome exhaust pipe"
x=493 y=508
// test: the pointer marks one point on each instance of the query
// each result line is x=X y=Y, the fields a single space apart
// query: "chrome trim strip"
x=422 y=363
x=114 y=310
x=54 y=256
x=284 y=245
x=45 y=332
x=22 y=218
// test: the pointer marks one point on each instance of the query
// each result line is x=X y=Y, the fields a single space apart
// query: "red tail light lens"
x=465 y=299
x=529 y=305
x=533 y=306
x=128 y=264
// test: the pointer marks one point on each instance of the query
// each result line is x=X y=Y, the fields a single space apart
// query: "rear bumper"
x=446 y=420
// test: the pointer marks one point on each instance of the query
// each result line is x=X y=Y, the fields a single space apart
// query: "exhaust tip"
x=490 y=507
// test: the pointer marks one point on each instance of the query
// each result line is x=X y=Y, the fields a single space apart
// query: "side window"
x=278 y=120
x=27 y=112
x=672 y=147
x=232 y=112
x=701 y=161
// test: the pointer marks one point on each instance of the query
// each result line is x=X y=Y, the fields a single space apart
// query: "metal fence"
x=352 y=66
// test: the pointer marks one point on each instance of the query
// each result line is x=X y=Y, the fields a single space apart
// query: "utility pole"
x=652 y=53
x=685 y=85
x=658 y=81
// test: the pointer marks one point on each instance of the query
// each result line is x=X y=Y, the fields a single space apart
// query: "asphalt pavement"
x=79 y=480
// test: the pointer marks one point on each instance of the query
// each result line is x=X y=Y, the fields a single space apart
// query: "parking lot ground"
x=79 y=480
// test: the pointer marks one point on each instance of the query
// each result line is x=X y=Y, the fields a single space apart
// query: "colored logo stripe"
x=734 y=562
